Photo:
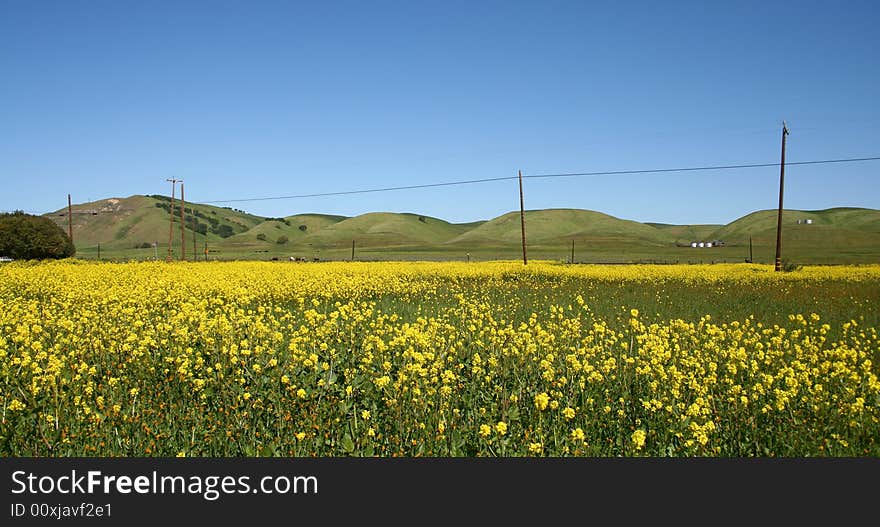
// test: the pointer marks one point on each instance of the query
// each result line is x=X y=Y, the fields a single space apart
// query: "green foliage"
x=27 y=237
x=788 y=266
x=216 y=227
x=261 y=237
x=282 y=239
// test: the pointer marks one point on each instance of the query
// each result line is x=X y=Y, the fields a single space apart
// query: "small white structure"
x=693 y=244
x=708 y=244
x=809 y=222
x=702 y=244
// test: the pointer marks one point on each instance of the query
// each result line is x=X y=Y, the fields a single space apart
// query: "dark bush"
x=789 y=267
x=28 y=237
x=282 y=239
x=224 y=231
x=261 y=237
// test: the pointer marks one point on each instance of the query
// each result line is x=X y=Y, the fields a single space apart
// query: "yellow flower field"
x=437 y=359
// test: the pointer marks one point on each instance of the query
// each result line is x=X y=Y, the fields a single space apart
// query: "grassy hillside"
x=385 y=229
x=847 y=219
x=555 y=226
x=838 y=234
x=126 y=228
x=124 y=224
x=687 y=233
x=293 y=228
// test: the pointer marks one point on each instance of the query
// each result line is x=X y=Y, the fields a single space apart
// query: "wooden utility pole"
x=352 y=250
x=572 y=252
x=195 y=253
x=522 y=218
x=206 y=247
x=182 y=225
x=171 y=220
x=779 y=214
x=99 y=251
x=69 y=219
x=751 y=260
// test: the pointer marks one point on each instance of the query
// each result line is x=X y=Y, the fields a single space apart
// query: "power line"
x=545 y=176
x=693 y=169
x=364 y=191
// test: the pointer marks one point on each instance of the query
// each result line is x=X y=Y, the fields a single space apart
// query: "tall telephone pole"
x=193 y=224
x=171 y=219
x=69 y=219
x=522 y=218
x=182 y=225
x=779 y=214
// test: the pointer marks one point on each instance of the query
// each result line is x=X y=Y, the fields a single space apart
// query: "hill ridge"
x=136 y=225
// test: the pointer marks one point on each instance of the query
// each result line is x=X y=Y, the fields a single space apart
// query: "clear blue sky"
x=262 y=98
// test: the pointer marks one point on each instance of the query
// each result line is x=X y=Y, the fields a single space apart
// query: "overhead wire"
x=543 y=176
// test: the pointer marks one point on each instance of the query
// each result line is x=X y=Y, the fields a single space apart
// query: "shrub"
x=261 y=237
x=789 y=267
x=282 y=239
x=224 y=231
x=28 y=237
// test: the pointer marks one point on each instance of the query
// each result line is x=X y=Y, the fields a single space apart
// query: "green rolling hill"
x=136 y=222
x=845 y=219
x=687 y=233
x=126 y=228
x=837 y=234
x=558 y=226
x=386 y=229
x=293 y=229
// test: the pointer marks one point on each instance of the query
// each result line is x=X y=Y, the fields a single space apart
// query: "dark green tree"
x=28 y=237
x=224 y=231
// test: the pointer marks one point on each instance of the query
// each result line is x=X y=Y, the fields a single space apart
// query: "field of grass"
x=439 y=359
x=795 y=250
x=124 y=229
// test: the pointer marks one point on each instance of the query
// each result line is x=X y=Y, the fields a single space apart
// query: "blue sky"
x=256 y=99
